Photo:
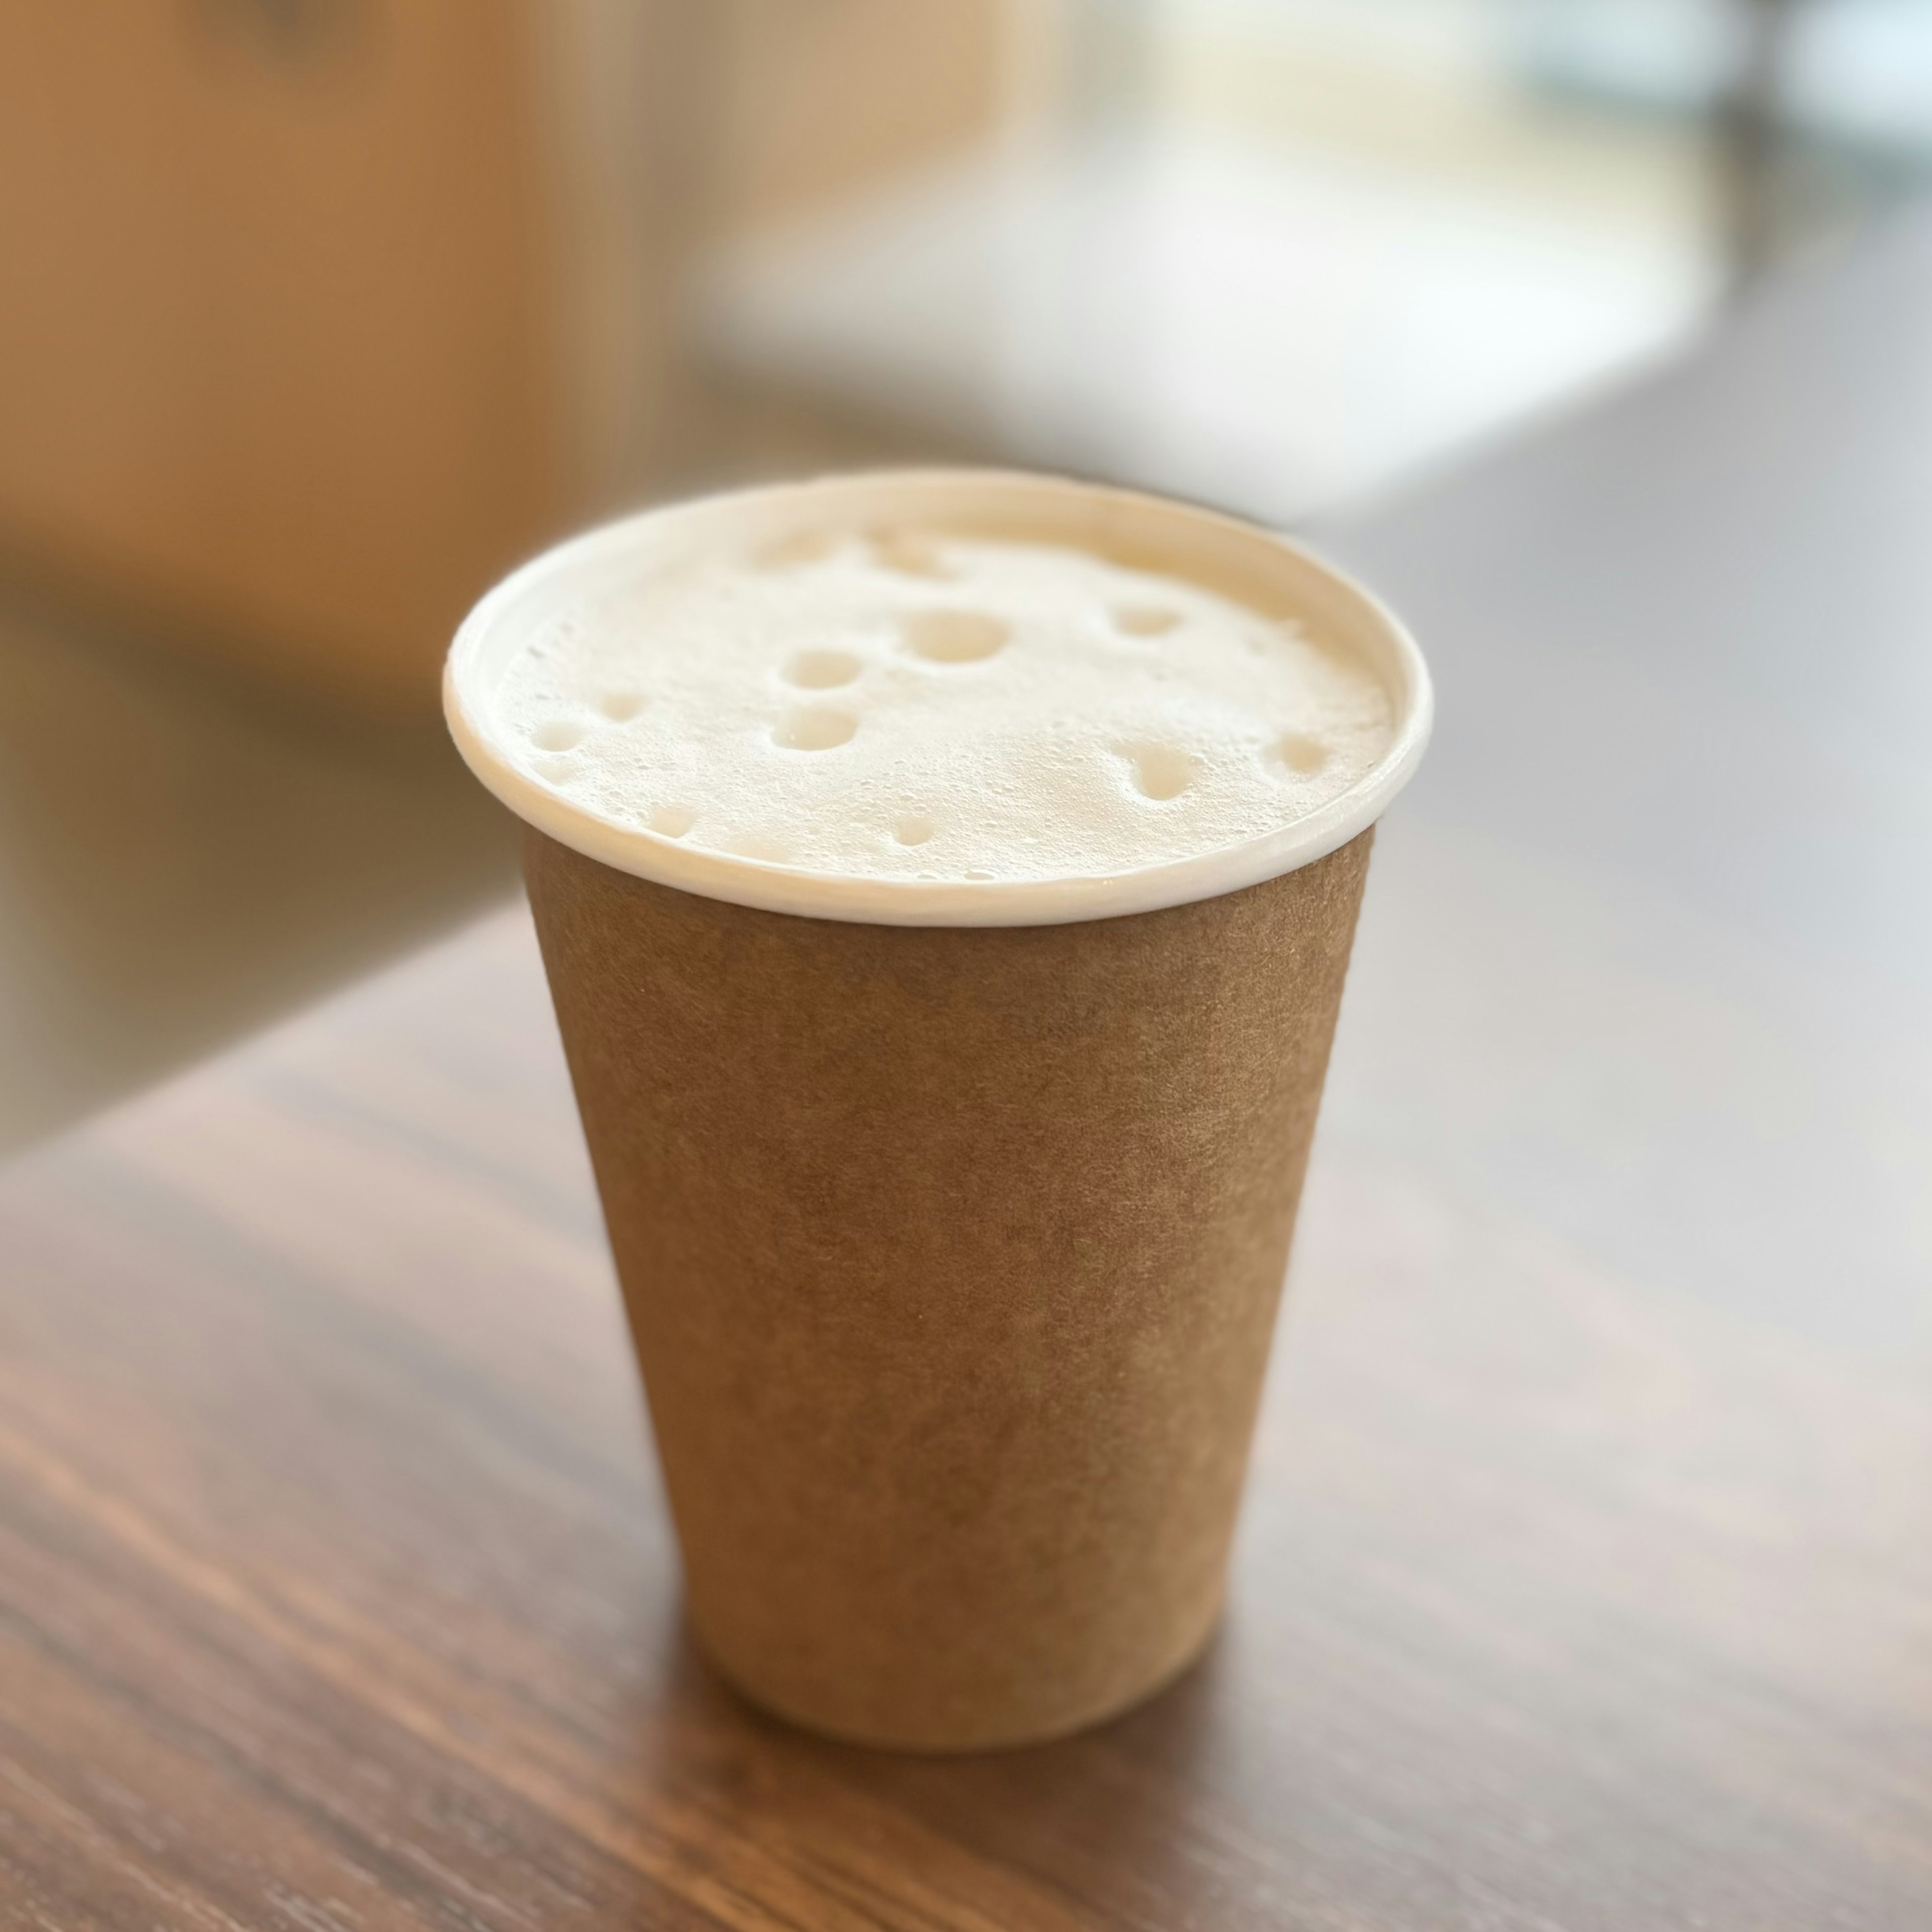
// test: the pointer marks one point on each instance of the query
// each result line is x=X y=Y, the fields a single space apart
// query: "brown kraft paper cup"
x=951 y=1254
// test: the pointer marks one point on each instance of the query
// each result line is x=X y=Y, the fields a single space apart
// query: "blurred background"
x=316 y=315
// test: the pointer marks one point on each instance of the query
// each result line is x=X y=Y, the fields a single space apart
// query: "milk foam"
x=912 y=706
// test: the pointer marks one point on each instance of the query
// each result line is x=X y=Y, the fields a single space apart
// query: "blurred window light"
x=1862 y=69
x=1858 y=71
x=1195 y=314
x=1286 y=253
x=1675 y=54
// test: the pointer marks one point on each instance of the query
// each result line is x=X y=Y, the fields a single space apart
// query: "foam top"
x=915 y=719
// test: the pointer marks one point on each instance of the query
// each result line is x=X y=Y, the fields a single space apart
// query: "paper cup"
x=951 y=1219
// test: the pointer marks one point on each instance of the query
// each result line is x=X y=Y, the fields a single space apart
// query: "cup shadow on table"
x=1105 y=1811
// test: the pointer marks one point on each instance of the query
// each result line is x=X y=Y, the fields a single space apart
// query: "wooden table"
x=1586 y=1581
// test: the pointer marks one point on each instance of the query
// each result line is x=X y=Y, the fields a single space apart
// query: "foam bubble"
x=1160 y=771
x=908 y=704
x=948 y=636
x=815 y=730
x=788 y=553
x=821 y=671
x=910 y=553
x=1145 y=620
x=1299 y=752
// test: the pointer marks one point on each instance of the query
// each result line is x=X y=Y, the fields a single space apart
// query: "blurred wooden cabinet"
x=316 y=314
x=817 y=99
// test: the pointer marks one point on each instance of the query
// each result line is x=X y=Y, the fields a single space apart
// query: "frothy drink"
x=946 y=881
x=906 y=704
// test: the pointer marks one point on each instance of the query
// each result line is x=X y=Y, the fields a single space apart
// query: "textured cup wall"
x=952 y=1255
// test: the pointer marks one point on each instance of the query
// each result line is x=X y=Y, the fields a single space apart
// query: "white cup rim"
x=1062 y=509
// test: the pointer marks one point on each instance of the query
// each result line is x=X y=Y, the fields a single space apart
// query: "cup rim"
x=925 y=902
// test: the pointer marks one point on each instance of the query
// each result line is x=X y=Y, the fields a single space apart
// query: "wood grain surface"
x=1584 y=1582
x=336 y=1589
